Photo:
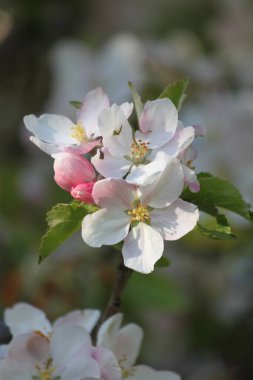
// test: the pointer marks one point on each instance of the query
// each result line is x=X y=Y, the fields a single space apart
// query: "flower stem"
x=122 y=276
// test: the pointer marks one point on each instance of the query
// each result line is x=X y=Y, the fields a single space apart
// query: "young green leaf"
x=216 y=192
x=222 y=230
x=63 y=221
x=176 y=92
x=137 y=100
x=76 y=104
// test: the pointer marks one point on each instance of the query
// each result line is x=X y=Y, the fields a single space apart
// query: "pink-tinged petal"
x=200 y=131
x=108 y=331
x=94 y=102
x=83 y=147
x=23 y=318
x=29 y=348
x=142 y=372
x=85 y=318
x=71 y=170
x=142 y=248
x=179 y=142
x=127 y=108
x=159 y=121
x=80 y=364
x=105 y=227
x=128 y=344
x=143 y=175
x=114 y=193
x=119 y=145
x=166 y=188
x=110 y=166
x=190 y=179
x=52 y=129
x=83 y=192
x=188 y=155
x=175 y=221
x=109 y=367
x=66 y=341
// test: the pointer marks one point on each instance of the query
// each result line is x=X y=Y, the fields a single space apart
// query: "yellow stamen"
x=139 y=214
x=79 y=133
x=139 y=150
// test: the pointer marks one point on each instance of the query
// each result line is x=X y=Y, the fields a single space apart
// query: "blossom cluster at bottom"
x=64 y=350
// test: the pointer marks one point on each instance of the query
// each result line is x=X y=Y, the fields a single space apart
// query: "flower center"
x=139 y=214
x=79 y=133
x=139 y=151
x=125 y=373
x=46 y=373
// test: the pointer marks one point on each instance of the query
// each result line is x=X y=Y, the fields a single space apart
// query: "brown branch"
x=122 y=276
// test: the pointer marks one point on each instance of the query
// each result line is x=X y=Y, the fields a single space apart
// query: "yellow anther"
x=139 y=214
x=79 y=133
x=139 y=150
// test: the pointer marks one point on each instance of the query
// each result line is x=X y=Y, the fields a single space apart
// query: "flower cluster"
x=136 y=177
x=64 y=350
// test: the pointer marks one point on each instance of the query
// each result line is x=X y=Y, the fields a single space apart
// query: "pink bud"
x=71 y=170
x=83 y=192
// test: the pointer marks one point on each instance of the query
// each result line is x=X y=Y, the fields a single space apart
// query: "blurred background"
x=198 y=313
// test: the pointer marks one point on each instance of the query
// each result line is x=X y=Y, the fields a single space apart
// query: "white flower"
x=143 y=216
x=134 y=156
x=56 y=133
x=125 y=343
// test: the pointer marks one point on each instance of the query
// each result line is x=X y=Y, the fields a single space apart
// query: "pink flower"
x=142 y=216
x=75 y=174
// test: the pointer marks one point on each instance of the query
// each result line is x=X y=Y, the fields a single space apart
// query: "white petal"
x=80 y=364
x=128 y=344
x=109 y=166
x=105 y=227
x=190 y=179
x=109 y=367
x=143 y=175
x=11 y=370
x=66 y=341
x=127 y=108
x=45 y=147
x=166 y=188
x=119 y=145
x=158 y=121
x=53 y=129
x=175 y=221
x=31 y=349
x=142 y=248
x=180 y=141
x=114 y=193
x=85 y=318
x=142 y=372
x=23 y=317
x=106 y=336
x=94 y=102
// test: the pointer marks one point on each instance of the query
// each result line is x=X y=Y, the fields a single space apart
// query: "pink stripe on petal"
x=83 y=192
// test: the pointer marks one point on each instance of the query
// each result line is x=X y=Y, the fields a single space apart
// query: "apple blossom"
x=74 y=174
x=56 y=133
x=134 y=156
x=141 y=216
x=125 y=343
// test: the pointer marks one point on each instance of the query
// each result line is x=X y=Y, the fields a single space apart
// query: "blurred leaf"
x=163 y=262
x=63 y=221
x=176 y=92
x=222 y=230
x=216 y=192
x=137 y=100
x=155 y=291
x=76 y=104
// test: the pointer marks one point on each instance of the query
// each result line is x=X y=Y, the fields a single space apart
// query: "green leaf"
x=216 y=192
x=63 y=221
x=176 y=92
x=155 y=291
x=222 y=230
x=163 y=262
x=137 y=100
x=76 y=104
